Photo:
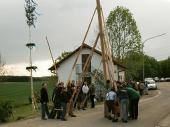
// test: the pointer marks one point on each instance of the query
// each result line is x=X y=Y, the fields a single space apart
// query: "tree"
x=164 y=68
x=98 y=80
x=151 y=66
x=123 y=33
x=133 y=63
x=63 y=55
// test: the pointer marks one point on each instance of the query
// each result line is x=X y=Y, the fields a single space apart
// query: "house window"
x=84 y=59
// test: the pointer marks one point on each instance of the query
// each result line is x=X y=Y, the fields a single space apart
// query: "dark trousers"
x=124 y=109
x=44 y=109
x=134 y=108
x=92 y=101
x=64 y=108
x=54 y=111
x=84 y=101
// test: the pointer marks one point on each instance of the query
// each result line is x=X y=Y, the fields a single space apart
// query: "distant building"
x=64 y=67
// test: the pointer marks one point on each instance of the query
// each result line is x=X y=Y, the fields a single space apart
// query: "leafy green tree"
x=98 y=81
x=123 y=33
x=164 y=68
x=151 y=67
x=30 y=10
x=63 y=55
x=134 y=64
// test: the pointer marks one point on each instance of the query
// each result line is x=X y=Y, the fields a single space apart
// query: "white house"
x=64 y=67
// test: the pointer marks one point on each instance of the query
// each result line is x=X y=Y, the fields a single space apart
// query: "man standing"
x=92 y=95
x=71 y=95
x=64 y=100
x=85 y=90
x=44 y=100
x=124 y=102
x=134 y=100
x=56 y=101
x=110 y=101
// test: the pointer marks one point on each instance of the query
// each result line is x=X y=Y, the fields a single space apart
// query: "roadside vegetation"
x=17 y=95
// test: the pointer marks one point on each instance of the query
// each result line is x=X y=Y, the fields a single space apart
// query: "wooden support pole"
x=101 y=29
x=87 y=64
x=89 y=57
x=81 y=46
x=83 y=72
x=52 y=57
x=110 y=55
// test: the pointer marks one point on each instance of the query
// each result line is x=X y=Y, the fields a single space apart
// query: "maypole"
x=30 y=8
x=102 y=40
x=107 y=60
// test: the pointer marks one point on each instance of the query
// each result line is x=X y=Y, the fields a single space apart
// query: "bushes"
x=5 y=111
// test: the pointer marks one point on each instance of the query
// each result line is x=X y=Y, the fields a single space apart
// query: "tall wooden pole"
x=52 y=57
x=31 y=78
x=101 y=31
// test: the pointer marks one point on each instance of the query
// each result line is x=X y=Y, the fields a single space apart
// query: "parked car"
x=156 y=79
x=167 y=79
x=162 y=80
x=148 y=79
x=151 y=84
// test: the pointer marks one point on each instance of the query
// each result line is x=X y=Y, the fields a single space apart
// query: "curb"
x=151 y=98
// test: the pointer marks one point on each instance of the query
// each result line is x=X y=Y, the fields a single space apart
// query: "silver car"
x=151 y=84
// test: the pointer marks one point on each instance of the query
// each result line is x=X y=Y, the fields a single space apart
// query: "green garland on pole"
x=30 y=10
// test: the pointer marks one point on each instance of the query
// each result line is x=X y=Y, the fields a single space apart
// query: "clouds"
x=65 y=23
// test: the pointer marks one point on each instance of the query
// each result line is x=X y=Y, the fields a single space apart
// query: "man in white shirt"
x=85 y=90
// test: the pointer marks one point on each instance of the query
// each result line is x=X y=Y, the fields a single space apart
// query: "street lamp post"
x=143 y=51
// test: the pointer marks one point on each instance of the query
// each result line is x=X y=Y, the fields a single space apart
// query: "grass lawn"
x=18 y=93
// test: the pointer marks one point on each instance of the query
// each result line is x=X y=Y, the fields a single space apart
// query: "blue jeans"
x=44 y=109
x=124 y=109
x=64 y=108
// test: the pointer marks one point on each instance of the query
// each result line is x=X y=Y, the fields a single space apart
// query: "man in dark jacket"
x=56 y=101
x=92 y=95
x=71 y=96
x=44 y=100
x=124 y=102
x=64 y=101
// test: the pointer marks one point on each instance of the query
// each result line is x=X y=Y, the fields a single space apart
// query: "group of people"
x=120 y=101
x=124 y=101
x=66 y=98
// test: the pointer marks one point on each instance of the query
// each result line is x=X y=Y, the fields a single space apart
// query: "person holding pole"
x=92 y=95
x=71 y=94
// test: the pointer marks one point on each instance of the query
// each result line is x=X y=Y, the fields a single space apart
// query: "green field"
x=19 y=92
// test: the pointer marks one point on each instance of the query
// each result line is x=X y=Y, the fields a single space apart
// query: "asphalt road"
x=151 y=111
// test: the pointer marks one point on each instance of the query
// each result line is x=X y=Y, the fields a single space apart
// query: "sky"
x=64 y=22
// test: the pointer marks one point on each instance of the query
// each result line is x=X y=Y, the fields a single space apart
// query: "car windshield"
x=151 y=82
